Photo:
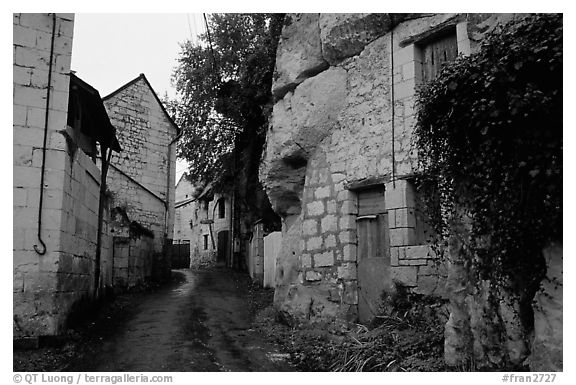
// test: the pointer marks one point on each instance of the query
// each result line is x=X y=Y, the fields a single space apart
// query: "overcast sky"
x=109 y=50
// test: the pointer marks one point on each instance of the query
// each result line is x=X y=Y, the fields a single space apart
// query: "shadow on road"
x=201 y=321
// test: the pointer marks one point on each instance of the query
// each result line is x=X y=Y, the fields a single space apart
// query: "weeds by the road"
x=411 y=338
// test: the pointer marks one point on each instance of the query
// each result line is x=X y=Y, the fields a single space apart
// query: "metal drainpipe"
x=43 y=250
x=392 y=98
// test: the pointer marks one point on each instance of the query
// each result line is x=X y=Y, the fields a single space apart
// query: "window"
x=437 y=52
x=222 y=208
x=205 y=241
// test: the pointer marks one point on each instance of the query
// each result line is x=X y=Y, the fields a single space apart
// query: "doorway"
x=373 y=252
x=222 y=250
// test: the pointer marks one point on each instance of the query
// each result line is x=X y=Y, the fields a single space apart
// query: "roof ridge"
x=133 y=81
x=122 y=88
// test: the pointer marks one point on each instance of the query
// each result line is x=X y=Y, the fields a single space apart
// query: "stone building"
x=56 y=180
x=141 y=179
x=338 y=165
x=338 y=162
x=210 y=223
x=62 y=133
x=183 y=210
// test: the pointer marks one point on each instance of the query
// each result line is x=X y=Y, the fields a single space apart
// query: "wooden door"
x=180 y=254
x=222 y=250
x=373 y=253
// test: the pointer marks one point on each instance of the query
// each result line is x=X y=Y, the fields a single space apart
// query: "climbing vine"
x=489 y=142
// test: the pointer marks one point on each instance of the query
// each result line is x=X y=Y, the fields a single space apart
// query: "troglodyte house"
x=338 y=168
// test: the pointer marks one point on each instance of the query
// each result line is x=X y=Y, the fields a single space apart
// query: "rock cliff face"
x=485 y=328
x=343 y=117
x=334 y=123
x=547 y=344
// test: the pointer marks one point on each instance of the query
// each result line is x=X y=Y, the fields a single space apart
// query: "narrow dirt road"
x=200 y=323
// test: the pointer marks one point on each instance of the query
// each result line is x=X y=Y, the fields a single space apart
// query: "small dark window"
x=437 y=52
x=205 y=241
x=222 y=208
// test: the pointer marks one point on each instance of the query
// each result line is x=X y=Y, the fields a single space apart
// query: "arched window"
x=222 y=208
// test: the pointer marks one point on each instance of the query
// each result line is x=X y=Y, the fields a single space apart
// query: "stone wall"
x=342 y=121
x=272 y=243
x=133 y=261
x=204 y=209
x=335 y=125
x=47 y=286
x=184 y=189
x=547 y=343
x=255 y=254
x=80 y=207
x=142 y=176
x=184 y=210
x=182 y=217
x=488 y=327
x=140 y=205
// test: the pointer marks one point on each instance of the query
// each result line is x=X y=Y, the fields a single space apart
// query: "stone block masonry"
x=47 y=286
x=344 y=114
x=336 y=74
x=202 y=251
x=133 y=261
x=142 y=176
x=184 y=210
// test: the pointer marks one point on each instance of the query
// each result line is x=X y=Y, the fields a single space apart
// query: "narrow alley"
x=287 y=192
x=201 y=322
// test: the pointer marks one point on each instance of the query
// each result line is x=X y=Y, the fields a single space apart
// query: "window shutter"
x=436 y=53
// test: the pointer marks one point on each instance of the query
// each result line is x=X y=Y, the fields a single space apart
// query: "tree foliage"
x=489 y=137
x=223 y=86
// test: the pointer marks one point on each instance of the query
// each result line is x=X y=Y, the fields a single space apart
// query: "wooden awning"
x=85 y=106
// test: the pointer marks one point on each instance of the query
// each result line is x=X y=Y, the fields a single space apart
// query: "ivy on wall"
x=489 y=139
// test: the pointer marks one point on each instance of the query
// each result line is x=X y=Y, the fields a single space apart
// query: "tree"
x=223 y=93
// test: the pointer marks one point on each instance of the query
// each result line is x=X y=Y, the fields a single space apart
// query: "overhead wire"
x=214 y=64
x=190 y=28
